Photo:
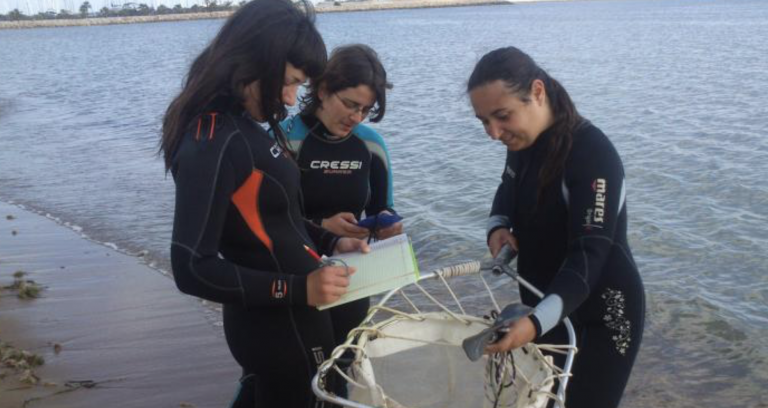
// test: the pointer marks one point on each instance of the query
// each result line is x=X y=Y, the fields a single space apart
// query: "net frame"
x=369 y=330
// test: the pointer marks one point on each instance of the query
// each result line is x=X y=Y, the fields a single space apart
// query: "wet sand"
x=121 y=326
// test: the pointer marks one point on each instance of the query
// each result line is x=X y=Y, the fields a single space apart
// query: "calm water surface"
x=677 y=85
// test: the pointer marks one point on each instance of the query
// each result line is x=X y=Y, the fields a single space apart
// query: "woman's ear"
x=322 y=92
x=252 y=104
x=538 y=92
x=252 y=91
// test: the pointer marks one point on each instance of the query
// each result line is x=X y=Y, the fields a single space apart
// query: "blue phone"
x=379 y=221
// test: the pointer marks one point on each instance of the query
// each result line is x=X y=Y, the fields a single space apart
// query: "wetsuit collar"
x=317 y=128
x=539 y=146
x=542 y=141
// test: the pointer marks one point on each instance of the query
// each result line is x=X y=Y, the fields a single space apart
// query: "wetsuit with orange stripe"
x=238 y=239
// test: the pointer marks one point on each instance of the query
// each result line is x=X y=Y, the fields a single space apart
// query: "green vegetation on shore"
x=211 y=9
x=128 y=10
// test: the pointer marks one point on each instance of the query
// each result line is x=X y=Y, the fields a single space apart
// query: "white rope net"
x=407 y=352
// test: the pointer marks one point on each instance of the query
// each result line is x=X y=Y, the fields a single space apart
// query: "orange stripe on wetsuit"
x=246 y=199
x=200 y=124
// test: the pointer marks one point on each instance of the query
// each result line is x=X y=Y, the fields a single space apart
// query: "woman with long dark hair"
x=345 y=167
x=239 y=235
x=561 y=205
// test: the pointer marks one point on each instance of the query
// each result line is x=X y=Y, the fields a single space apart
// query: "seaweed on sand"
x=24 y=288
x=21 y=362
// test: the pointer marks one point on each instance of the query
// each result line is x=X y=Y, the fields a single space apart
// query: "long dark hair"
x=351 y=66
x=255 y=44
x=518 y=71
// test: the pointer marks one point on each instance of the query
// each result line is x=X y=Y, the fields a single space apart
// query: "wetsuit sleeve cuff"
x=299 y=284
x=325 y=241
x=495 y=222
x=548 y=313
x=274 y=289
x=332 y=245
x=537 y=325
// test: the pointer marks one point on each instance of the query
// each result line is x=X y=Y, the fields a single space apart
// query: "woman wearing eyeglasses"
x=345 y=164
x=345 y=167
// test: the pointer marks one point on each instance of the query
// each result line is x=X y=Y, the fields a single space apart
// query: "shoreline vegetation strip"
x=325 y=7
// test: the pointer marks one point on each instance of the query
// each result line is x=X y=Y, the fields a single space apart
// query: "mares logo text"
x=596 y=215
x=598 y=186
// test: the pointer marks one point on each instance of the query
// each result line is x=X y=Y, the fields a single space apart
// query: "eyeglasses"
x=354 y=107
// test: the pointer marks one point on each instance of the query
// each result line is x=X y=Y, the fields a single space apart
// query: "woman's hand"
x=344 y=224
x=499 y=238
x=327 y=284
x=520 y=333
x=391 y=231
x=344 y=245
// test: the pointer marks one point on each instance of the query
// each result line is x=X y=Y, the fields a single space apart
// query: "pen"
x=312 y=253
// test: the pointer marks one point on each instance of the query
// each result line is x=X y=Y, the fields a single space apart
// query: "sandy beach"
x=323 y=7
x=112 y=331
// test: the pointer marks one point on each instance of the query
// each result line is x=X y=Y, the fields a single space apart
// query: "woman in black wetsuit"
x=345 y=167
x=239 y=235
x=561 y=205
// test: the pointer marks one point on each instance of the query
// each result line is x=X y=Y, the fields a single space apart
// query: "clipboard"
x=390 y=264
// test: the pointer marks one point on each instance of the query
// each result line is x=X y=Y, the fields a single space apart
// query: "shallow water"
x=677 y=85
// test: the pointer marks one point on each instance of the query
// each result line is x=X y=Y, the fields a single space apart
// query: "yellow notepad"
x=390 y=264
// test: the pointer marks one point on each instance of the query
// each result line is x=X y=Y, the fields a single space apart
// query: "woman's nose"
x=357 y=116
x=289 y=95
x=493 y=131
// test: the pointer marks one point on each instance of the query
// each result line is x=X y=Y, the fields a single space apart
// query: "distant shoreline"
x=325 y=7
x=98 y=21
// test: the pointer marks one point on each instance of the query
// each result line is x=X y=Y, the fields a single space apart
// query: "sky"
x=32 y=7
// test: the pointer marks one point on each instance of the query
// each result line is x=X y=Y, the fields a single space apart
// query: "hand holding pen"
x=330 y=281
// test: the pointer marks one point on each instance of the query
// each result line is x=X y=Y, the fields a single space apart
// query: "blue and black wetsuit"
x=572 y=240
x=238 y=239
x=349 y=174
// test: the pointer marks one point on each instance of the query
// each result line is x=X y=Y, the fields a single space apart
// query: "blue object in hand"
x=383 y=220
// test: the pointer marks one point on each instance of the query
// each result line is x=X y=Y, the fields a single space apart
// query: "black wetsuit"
x=238 y=239
x=349 y=174
x=573 y=246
